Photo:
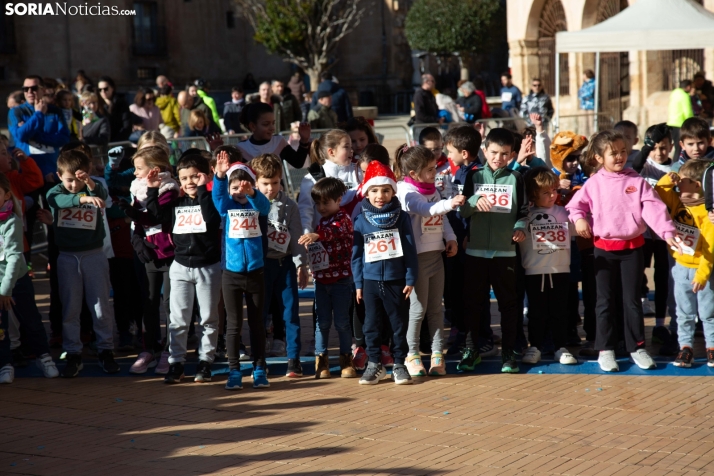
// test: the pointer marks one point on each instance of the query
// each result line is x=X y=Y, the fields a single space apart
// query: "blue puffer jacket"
x=242 y=255
x=40 y=136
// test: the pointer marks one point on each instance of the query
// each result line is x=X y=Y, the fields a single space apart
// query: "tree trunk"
x=314 y=74
x=464 y=67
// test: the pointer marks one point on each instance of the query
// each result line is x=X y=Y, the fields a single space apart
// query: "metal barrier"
x=416 y=129
x=293 y=179
x=515 y=124
x=234 y=139
x=584 y=123
x=314 y=134
x=184 y=143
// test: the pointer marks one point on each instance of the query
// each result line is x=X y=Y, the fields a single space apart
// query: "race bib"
x=460 y=188
x=550 y=236
x=433 y=224
x=349 y=185
x=83 y=217
x=506 y=96
x=500 y=196
x=382 y=245
x=278 y=237
x=189 y=220
x=440 y=182
x=318 y=257
x=688 y=237
x=243 y=224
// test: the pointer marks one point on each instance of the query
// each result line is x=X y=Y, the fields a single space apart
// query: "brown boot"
x=347 y=367
x=322 y=366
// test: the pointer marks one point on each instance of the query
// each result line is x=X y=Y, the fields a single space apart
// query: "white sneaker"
x=278 y=348
x=647 y=309
x=531 y=356
x=643 y=359
x=565 y=357
x=7 y=374
x=607 y=361
x=47 y=365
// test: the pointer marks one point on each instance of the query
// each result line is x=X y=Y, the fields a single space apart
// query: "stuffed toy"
x=565 y=144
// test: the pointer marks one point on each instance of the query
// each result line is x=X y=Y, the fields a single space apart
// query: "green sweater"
x=12 y=262
x=72 y=230
x=492 y=231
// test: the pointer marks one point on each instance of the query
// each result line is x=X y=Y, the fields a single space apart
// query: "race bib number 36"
x=83 y=217
x=278 y=237
x=243 y=224
x=318 y=257
x=382 y=245
x=550 y=236
x=189 y=220
x=688 y=238
x=499 y=196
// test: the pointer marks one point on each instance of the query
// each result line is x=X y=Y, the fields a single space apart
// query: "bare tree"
x=304 y=32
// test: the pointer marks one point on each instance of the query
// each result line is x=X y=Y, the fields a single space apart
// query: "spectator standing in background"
x=425 y=109
x=232 y=110
x=680 y=109
x=340 y=99
x=586 y=95
x=537 y=102
x=117 y=109
x=144 y=106
x=510 y=95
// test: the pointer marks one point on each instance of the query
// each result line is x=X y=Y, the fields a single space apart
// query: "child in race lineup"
x=76 y=205
x=495 y=204
x=16 y=290
x=361 y=134
x=371 y=153
x=609 y=195
x=385 y=267
x=330 y=249
x=196 y=270
x=692 y=272
x=546 y=258
x=629 y=131
x=286 y=261
x=694 y=139
x=241 y=205
x=421 y=200
x=153 y=246
x=259 y=119
x=431 y=138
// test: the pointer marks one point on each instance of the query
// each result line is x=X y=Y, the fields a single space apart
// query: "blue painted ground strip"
x=309 y=293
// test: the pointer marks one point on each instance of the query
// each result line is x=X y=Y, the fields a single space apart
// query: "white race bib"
x=550 y=236
x=506 y=96
x=243 y=224
x=440 y=182
x=189 y=220
x=460 y=188
x=500 y=196
x=688 y=237
x=433 y=224
x=278 y=237
x=83 y=217
x=317 y=256
x=382 y=245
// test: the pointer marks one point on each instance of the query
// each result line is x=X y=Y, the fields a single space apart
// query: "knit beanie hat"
x=378 y=174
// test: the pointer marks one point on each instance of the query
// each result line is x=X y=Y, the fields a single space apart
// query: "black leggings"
x=127 y=305
x=660 y=251
x=235 y=285
x=157 y=276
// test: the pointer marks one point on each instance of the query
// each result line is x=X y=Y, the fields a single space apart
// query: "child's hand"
x=214 y=141
x=457 y=201
x=302 y=277
x=674 y=177
x=696 y=287
x=582 y=228
x=358 y=296
x=19 y=155
x=6 y=303
x=564 y=184
x=44 y=216
x=526 y=150
x=222 y=164
x=304 y=130
x=537 y=121
x=83 y=176
x=96 y=201
x=407 y=291
x=246 y=188
x=481 y=128
x=451 y=248
x=308 y=238
x=153 y=180
x=202 y=179
x=483 y=205
x=674 y=244
x=518 y=236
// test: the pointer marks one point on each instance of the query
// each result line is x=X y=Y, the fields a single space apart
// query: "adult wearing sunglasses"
x=537 y=102
x=117 y=109
x=38 y=128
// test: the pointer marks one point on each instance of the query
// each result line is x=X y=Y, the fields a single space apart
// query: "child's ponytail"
x=408 y=159
x=329 y=140
x=6 y=187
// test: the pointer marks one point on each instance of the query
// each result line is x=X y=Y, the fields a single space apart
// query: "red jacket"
x=336 y=236
x=26 y=180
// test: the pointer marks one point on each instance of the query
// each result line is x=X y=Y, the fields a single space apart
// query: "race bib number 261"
x=382 y=245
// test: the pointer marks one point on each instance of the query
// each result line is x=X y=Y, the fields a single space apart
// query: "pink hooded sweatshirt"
x=622 y=205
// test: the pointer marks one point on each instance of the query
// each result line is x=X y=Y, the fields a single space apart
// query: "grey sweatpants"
x=88 y=270
x=205 y=285
x=426 y=299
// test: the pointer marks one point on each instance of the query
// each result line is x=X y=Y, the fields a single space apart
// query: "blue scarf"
x=384 y=217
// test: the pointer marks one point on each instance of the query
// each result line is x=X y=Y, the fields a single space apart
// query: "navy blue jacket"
x=340 y=100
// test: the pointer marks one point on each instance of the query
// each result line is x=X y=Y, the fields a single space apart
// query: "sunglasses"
x=34 y=89
x=101 y=90
x=536 y=85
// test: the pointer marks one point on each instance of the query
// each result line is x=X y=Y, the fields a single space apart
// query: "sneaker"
x=486 y=347
x=126 y=341
x=588 y=349
x=7 y=374
x=107 y=363
x=243 y=355
x=438 y=364
x=373 y=374
x=670 y=348
x=47 y=365
x=294 y=368
x=606 y=361
x=710 y=357
x=203 y=372
x=347 y=369
x=684 y=358
x=643 y=359
x=400 y=375
x=19 y=359
x=531 y=356
x=509 y=362
x=175 y=373
x=221 y=347
x=56 y=341
x=660 y=334
x=564 y=356
x=359 y=358
x=322 y=366
x=260 y=378
x=162 y=368
x=469 y=359
x=144 y=362
x=387 y=359
x=73 y=366
x=414 y=366
x=278 y=348
x=647 y=309
x=235 y=380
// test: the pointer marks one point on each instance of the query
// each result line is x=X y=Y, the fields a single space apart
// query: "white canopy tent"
x=645 y=26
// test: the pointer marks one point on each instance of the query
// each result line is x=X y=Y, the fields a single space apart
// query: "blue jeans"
x=689 y=305
x=333 y=299
x=281 y=285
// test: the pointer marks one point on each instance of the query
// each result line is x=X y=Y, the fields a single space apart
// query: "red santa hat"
x=378 y=174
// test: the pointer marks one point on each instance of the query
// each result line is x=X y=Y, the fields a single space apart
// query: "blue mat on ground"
x=309 y=293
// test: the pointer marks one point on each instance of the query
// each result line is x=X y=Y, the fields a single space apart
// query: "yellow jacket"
x=695 y=216
x=169 y=107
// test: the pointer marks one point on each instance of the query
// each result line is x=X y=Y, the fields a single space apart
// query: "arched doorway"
x=552 y=20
